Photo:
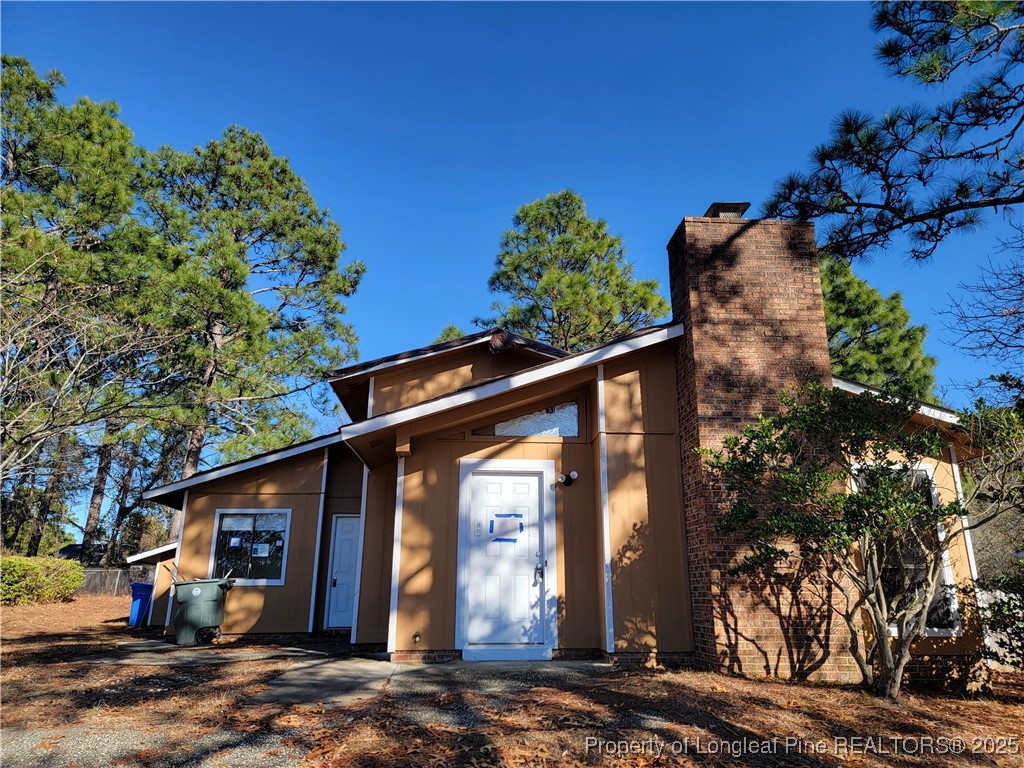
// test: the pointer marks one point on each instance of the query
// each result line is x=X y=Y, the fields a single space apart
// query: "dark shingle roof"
x=500 y=341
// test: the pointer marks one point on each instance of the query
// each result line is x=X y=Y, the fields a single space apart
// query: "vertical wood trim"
x=396 y=556
x=316 y=551
x=177 y=557
x=606 y=542
x=353 y=638
x=152 y=594
x=964 y=521
x=359 y=554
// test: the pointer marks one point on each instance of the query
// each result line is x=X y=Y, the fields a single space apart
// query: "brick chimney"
x=749 y=295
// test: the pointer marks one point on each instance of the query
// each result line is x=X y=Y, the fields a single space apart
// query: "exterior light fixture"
x=568 y=480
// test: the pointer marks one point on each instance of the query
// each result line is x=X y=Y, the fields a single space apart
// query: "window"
x=558 y=421
x=251 y=545
x=909 y=567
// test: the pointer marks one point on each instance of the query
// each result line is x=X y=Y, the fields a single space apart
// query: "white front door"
x=507 y=562
x=341 y=587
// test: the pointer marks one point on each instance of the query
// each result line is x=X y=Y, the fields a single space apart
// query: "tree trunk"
x=197 y=433
x=47 y=498
x=14 y=514
x=123 y=510
x=193 y=450
x=99 y=487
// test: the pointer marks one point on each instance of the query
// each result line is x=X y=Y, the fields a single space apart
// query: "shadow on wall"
x=632 y=566
x=750 y=297
x=795 y=642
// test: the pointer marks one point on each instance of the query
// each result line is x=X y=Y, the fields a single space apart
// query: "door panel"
x=505 y=547
x=341 y=589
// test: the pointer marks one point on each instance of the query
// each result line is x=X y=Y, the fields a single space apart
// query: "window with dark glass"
x=251 y=545
x=910 y=567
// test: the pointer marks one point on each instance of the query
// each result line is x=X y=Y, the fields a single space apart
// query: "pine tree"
x=870 y=337
x=260 y=289
x=449 y=333
x=917 y=174
x=566 y=279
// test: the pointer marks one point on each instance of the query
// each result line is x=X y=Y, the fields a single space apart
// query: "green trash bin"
x=200 y=609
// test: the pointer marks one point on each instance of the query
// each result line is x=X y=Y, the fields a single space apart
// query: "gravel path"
x=91 y=748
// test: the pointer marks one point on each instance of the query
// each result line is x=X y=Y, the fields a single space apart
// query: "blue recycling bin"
x=142 y=593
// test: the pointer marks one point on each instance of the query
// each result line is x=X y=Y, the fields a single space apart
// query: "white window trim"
x=948 y=577
x=499 y=652
x=239 y=582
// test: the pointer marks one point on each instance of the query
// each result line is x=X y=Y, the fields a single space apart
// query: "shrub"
x=38 y=579
x=1001 y=610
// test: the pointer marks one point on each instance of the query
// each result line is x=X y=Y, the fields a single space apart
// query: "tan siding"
x=161 y=589
x=416 y=382
x=668 y=543
x=946 y=487
x=375 y=581
x=646 y=527
x=293 y=484
x=634 y=593
x=428 y=582
x=650 y=592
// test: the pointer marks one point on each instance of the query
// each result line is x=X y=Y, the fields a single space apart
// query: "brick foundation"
x=650 y=660
x=425 y=657
x=749 y=296
x=960 y=673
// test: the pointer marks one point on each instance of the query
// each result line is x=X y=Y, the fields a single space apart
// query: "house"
x=496 y=498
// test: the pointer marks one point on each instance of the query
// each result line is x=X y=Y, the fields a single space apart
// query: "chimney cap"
x=726 y=210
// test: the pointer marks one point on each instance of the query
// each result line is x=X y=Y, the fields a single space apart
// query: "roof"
x=499 y=340
x=152 y=556
x=173 y=493
x=936 y=412
x=480 y=390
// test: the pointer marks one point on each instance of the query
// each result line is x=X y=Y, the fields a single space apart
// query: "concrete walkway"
x=328 y=681
x=342 y=682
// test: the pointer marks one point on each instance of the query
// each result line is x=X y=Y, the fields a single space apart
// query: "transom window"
x=557 y=421
x=251 y=545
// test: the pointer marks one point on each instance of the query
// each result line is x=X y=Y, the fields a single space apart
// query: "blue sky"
x=424 y=126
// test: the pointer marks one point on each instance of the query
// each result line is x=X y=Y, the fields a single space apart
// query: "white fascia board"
x=243 y=466
x=150 y=552
x=932 y=412
x=509 y=383
x=404 y=360
x=454 y=400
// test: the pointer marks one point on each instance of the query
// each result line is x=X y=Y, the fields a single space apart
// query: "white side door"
x=341 y=586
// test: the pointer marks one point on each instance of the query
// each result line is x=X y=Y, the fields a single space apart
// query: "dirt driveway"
x=72 y=696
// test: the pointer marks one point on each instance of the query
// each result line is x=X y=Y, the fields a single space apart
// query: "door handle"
x=334 y=581
x=538 y=574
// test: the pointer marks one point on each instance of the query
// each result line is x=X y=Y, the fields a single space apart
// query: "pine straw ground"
x=50 y=678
